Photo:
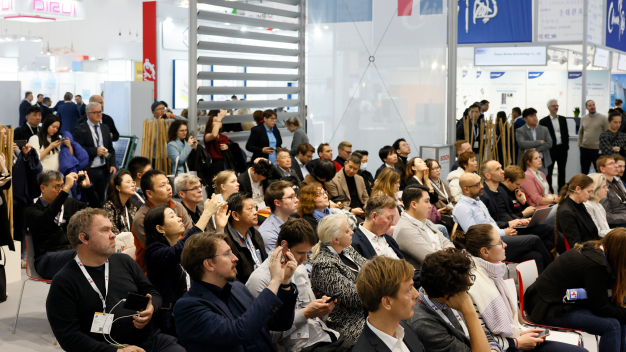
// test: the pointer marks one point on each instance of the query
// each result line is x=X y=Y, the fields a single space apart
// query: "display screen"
x=621 y=63
x=601 y=58
x=510 y=56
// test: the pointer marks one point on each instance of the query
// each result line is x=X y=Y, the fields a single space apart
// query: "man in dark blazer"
x=95 y=138
x=389 y=157
x=80 y=104
x=259 y=142
x=385 y=314
x=379 y=214
x=30 y=127
x=259 y=172
x=69 y=114
x=220 y=314
x=557 y=125
x=24 y=106
x=45 y=108
x=302 y=159
x=475 y=122
x=284 y=171
x=106 y=119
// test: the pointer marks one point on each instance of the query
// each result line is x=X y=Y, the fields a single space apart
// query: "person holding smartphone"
x=265 y=138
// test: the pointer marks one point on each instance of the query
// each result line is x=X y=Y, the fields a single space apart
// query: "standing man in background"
x=557 y=126
x=24 y=106
x=106 y=119
x=344 y=150
x=80 y=104
x=69 y=114
x=591 y=125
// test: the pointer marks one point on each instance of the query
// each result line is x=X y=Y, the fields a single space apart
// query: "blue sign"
x=495 y=75
x=615 y=25
x=495 y=21
x=336 y=11
x=533 y=75
x=574 y=75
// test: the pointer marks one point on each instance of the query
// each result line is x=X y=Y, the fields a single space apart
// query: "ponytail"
x=316 y=250
x=579 y=180
x=476 y=237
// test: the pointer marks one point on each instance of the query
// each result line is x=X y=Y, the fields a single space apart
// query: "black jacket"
x=24 y=132
x=564 y=133
x=296 y=167
x=81 y=109
x=258 y=140
x=83 y=136
x=245 y=183
x=575 y=223
x=5 y=226
x=362 y=244
x=311 y=220
x=368 y=178
x=24 y=106
x=489 y=199
x=107 y=120
x=245 y=264
x=370 y=342
x=25 y=172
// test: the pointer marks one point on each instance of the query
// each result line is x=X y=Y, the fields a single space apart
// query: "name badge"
x=302 y=333
x=102 y=323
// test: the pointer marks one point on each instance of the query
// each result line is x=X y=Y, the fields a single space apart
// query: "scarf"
x=496 y=303
x=318 y=215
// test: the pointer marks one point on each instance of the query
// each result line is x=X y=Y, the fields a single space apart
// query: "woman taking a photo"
x=214 y=141
x=335 y=265
x=179 y=145
x=597 y=267
x=164 y=248
x=120 y=210
x=572 y=218
x=496 y=301
x=595 y=210
x=467 y=163
x=535 y=184
x=47 y=142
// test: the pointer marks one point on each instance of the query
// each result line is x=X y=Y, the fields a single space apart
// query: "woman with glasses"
x=494 y=299
x=441 y=188
x=597 y=211
x=573 y=221
x=120 y=210
x=265 y=138
x=180 y=144
x=164 y=247
x=535 y=184
x=313 y=204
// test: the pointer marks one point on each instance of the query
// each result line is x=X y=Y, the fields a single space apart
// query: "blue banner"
x=495 y=21
x=334 y=11
x=616 y=24
x=533 y=75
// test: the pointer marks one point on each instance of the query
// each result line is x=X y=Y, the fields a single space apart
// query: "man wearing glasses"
x=557 y=126
x=189 y=190
x=283 y=202
x=615 y=196
x=470 y=210
x=95 y=138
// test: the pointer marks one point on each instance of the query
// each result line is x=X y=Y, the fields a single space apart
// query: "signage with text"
x=601 y=58
x=495 y=21
x=53 y=9
x=615 y=25
x=510 y=56
x=621 y=63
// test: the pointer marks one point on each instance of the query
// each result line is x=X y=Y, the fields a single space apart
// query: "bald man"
x=106 y=119
x=470 y=210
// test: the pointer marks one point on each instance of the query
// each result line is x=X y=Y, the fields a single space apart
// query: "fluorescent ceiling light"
x=32 y=19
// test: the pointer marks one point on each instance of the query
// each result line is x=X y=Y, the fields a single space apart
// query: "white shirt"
x=257 y=191
x=379 y=243
x=395 y=344
x=557 y=128
x=303 y=169
x=534 y=132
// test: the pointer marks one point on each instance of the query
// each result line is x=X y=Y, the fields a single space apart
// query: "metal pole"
x=452 y=45
x=192 y=111
x=583 y=111
x=302 y=59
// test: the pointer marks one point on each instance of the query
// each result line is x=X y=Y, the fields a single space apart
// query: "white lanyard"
x=97 y=138
x=93 y=285
x=442 y=190
x=127 y=218
x=445 y=318
x=31 y=129
x=251 y=248
x=60 y=215
x=418 y=180
x=138 y=196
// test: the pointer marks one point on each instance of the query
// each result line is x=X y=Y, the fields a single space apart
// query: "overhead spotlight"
x=22 y=39
x=169 y=19
x=243 y=29
x=227 y=24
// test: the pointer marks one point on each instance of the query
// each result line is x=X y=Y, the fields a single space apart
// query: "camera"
x=79 y=183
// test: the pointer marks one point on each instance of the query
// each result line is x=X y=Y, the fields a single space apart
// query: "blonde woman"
x=299 y=136
x=597 y=211
x=335 y=265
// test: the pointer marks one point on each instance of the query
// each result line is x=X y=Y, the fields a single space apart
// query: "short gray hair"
x=550 y=102
x=68 y=96
x=92 y=105
x=80 y=223
x=181 y=181
x=46 y=176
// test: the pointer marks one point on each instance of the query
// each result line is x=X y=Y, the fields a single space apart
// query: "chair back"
x=526 y=275
x=30 y=259
x=453 y=234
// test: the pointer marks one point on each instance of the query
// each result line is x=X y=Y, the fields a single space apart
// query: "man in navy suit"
x=370 y=238
x=80 y=104
x=219 y=313
x=265 y=138
x=95 y=138
x=496 y=199
x=45 y=108
x=69 y=114
x=385 y=329
x=24 y=106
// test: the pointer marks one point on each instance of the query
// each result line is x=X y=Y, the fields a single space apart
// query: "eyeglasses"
x=292 y=197
x=476 y=185
x=322 y=193
x=436 y=168
x=96 y=112
x=225 y=255
x=197 y=188
x=497 y=244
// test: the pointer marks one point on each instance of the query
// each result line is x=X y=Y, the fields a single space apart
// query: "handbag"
x=3 y=279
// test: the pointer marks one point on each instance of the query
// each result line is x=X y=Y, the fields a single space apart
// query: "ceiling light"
x=92 y=58
x=22 y=39
x=243 y=29
x=31 y=19
x=169 y=19
x=228 y=24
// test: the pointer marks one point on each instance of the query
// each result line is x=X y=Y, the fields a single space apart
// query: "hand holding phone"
x=544 y=333
x=136 y=302
x=284 y=253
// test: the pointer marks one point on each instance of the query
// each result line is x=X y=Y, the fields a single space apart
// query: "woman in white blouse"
x=597 y=211
x=47 y=142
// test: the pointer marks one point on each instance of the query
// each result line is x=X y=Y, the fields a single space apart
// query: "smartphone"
x=331 y=299
x=21 y=143
x=544 y=333
x=285 y=250
x=136 y=302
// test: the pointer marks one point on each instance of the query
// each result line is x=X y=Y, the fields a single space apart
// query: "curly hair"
x=446 y=272
x=306 y=199
x=263 y=168
x=172 y=132
x=385 y=182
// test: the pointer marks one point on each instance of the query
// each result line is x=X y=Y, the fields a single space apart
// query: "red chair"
x=31 y=273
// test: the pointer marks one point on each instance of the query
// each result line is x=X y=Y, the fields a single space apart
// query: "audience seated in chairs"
x=119 y=208
x=385 y=286
x=595 y=210
x=388 y=183
x=598 y=268
x=137 y=166
x=416 y=235
x=179 y=146
x=445 y=278
x=308 y=330
x=351 y=186
x=370 y=238
x=244 y=239
x=254 y=182
x=444 y=195
x=467 y=164
x=417 y=173
x=313 y=204
x=614 y=202
x=494 y=299
x=344 y=150
x=389 y=158
x=513 y=178
x=99 y=281
x=335 y=265
x=265 y=138
x=48 y=218
x=470 y=210
x=219 y=313
x=325 y=152
x=164 y=246
x=283 y=201
x=323 y=172
x=535 y=184
x=226 y=184
x=283 y=169
x=158 y=190
x=573 y=220
x=300 y=160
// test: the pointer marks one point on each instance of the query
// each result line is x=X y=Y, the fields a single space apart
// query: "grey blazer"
x=614 y=205
x=415 y=242
x=299 y=137
x=524 y=138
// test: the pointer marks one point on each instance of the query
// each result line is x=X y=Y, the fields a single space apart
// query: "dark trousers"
x=559 y=156
x=18 y=225
x=99 y=178
x=588 y=157
x=51 y=262
x=528 y=247
x=159 y=342
x=544 y=231
x=553 y=346
x=611 y=332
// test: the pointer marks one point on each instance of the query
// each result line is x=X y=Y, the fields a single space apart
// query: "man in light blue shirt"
x=283 y=202
x=470 y=210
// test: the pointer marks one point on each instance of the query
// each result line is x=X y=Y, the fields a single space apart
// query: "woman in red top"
x=214 y=141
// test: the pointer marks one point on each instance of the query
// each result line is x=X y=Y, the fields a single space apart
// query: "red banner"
x=405 y=8
x=150 y=43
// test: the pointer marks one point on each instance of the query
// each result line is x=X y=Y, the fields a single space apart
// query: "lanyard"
x=445 y=318
x=442 y=190
x=138 y=196
x=95 y=134
x=250 y=248
x=31 y=129
x=127 y=218
x=93 y=285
